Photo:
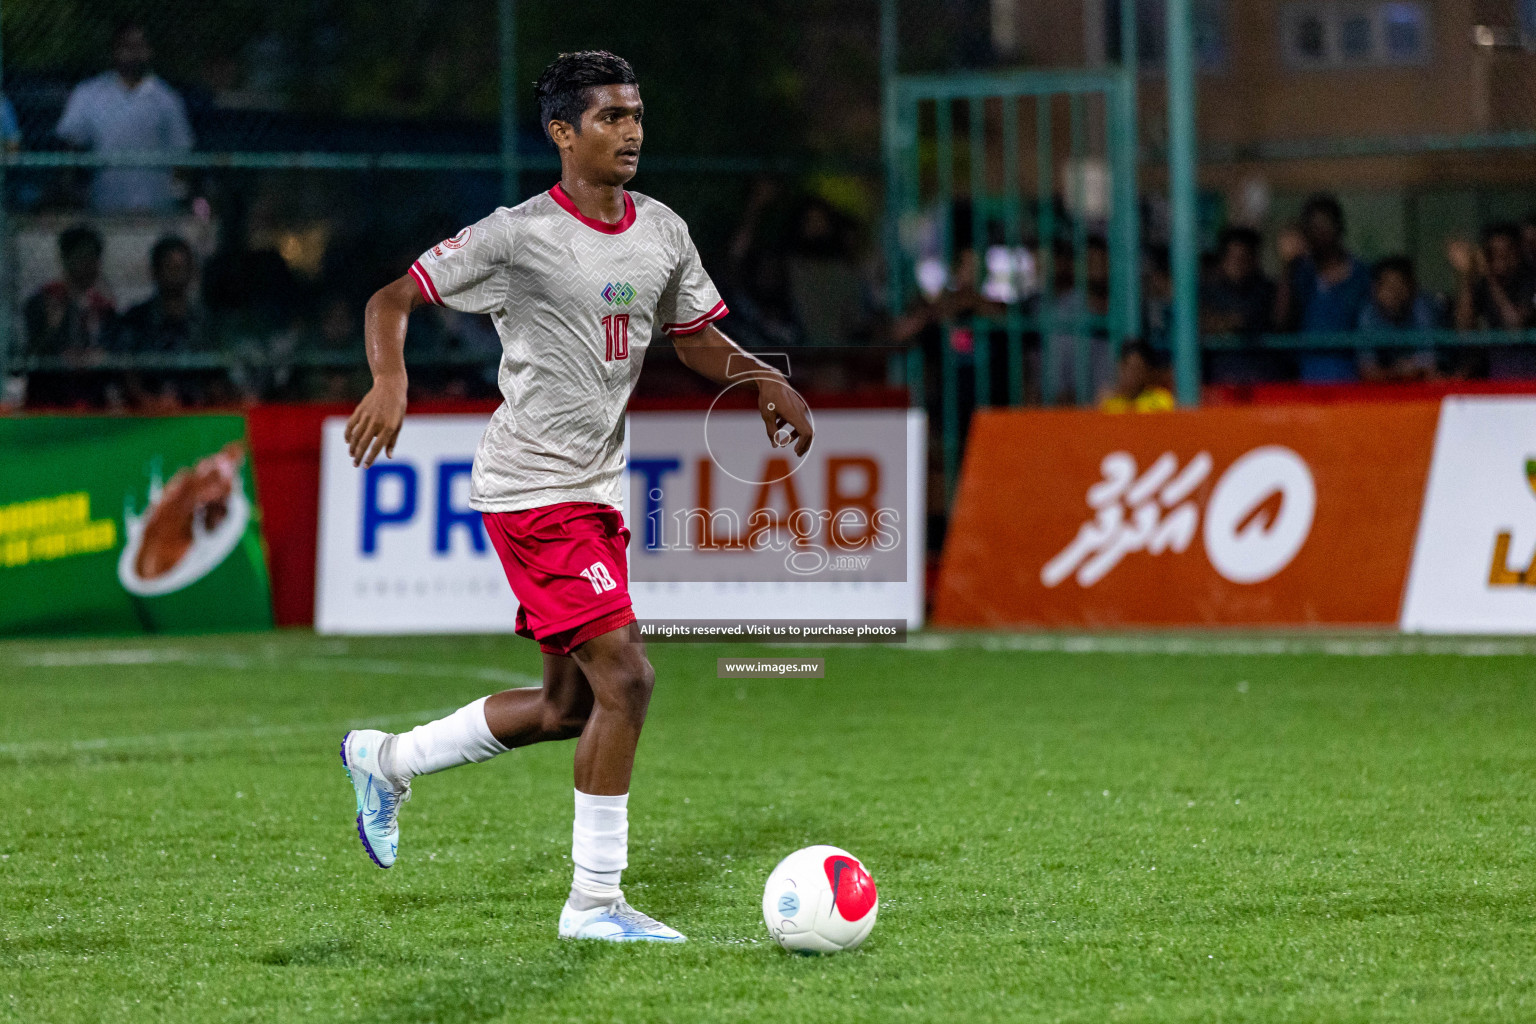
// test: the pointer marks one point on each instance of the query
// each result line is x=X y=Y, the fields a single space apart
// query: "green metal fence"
x=988 y=145
x=945 y=129
x=1047 y=129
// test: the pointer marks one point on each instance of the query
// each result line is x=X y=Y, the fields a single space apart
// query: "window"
x=1311 y=40
x=1342 y=34
x=1355 y=38
x=1403 y=32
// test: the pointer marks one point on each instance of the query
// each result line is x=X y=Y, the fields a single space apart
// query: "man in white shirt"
x=128 y=109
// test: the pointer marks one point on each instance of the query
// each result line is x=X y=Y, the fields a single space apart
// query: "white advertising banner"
x=401 y=551
x=1474 y=562
x=722 y=525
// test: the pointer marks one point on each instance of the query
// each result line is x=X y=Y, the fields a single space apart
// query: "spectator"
x=168 y=323
x=1528 y=239
x=73 y=319
x=128 y=109
x=1071 y=311
x=1494 y=286
x=74 y=315
x=170 y=320
x=1156 y=295
x=10 y=127
x=754 y=283
x=1494 y=291
x=1140 y=382
x=1397 y=304
x=826 y=293
x=1238 y=298
x=1323 y=288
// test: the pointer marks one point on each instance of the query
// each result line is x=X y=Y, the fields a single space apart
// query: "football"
x=820 y=900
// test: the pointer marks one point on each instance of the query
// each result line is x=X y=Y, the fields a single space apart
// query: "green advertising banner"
x=112 y=525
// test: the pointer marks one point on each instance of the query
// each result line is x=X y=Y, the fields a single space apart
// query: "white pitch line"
x=105 y=657
x=92 y=657
x=1217 y=645
x=176 y=739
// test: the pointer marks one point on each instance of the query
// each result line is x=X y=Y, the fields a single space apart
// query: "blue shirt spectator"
x=1324 y=288
x=10 y=127
x=128 y=109
x=1397 y=304
x=1330 y=306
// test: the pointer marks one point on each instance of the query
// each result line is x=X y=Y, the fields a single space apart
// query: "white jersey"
x=576 y=303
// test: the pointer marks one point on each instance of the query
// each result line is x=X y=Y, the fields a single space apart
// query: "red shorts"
x=567 y=567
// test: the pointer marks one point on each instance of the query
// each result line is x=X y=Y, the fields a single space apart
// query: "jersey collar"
x=569 y=206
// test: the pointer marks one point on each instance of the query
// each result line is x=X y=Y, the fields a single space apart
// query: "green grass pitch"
x=1222 y=829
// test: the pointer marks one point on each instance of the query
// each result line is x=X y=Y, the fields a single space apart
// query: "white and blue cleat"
x=378 y=801
x=616 y=922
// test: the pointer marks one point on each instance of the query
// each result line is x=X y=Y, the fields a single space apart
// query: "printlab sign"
x=401 y=551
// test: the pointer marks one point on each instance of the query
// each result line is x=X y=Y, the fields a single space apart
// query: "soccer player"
x=577 y=280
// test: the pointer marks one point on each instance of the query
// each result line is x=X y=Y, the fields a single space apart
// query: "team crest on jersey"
x=620 y=294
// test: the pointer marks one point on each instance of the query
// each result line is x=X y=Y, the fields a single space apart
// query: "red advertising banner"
x=1287 y=515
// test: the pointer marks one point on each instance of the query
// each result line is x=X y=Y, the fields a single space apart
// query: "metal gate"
x=1035 y=174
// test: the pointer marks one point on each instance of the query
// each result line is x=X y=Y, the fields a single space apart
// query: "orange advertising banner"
x=1282 y=515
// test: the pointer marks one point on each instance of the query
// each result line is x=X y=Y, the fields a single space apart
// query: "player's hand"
x=785 y=414
x=374 y=425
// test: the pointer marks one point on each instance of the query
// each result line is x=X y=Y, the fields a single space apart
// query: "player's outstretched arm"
x=711 y=354
x=375 y=423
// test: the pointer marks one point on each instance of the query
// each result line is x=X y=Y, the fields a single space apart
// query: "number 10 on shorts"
x=598 y=575
x=616 y=336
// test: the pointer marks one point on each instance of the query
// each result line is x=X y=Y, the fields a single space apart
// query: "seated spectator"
x=126 y=109
x=170 y=320
x=1397 y=304
x=168 y=323
x=1323 y=289
x=1140 y=382
x=74 y=315
x=72 y=318
x=1239 y=299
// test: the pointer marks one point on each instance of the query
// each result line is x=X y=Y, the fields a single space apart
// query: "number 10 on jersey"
x=615 y=336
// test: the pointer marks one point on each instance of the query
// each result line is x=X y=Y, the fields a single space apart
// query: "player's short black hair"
x=1326 y=204
x=564 y=88
x=1395 y=265
x=80 y=236
x=163 y=249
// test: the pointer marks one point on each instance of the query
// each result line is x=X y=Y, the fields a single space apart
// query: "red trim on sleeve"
x=568 y=204
x=698 y=323
x=424 y=283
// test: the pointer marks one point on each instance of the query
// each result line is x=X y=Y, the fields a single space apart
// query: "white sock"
x=599 y=848
x=461 y=738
